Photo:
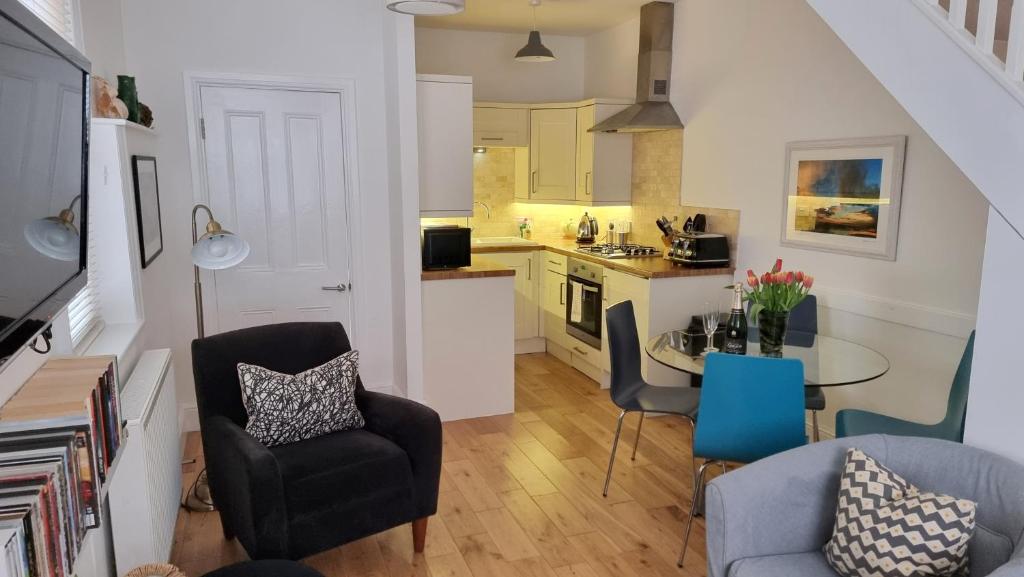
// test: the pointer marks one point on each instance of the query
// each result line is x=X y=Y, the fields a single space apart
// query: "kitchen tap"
x=486 y=208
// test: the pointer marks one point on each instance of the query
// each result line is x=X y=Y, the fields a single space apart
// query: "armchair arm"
x=246 y=485
x=783 y=504
x=417 y=430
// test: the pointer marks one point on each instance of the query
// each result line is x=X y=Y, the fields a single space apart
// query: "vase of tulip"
x=772 y=296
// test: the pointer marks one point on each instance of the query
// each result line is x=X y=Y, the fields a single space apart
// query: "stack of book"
x=59 y=437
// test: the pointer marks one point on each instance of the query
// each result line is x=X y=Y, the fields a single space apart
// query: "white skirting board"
x=145 y=493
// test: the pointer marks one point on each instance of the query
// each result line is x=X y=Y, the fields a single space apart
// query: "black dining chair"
x=629 y=391
x=804 y=318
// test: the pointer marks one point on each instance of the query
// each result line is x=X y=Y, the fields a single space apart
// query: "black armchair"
x=295 y=500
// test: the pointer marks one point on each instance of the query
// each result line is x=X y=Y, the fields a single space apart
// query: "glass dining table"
x=828 y=361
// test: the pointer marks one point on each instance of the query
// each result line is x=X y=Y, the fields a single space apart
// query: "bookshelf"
x=60 y=436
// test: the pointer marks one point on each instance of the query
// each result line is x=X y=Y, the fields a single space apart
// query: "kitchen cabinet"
x=604 y=162
x=527 y=289
x=553 y=154
x=444 y=106
x=619 y=287
x=553 y=303
x=501 y=127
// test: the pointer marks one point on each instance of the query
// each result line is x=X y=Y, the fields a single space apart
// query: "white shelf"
x=125 y=123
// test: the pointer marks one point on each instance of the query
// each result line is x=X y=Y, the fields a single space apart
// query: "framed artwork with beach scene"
x=844 y=195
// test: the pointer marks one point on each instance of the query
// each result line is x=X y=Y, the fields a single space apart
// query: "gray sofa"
x=771 y=518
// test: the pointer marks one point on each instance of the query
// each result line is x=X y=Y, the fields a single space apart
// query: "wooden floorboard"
x=520 y=496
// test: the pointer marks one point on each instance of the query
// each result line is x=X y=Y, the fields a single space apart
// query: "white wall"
x=317 y=38
x=103 y=38
x=994 y=412
x=489 y=58
x=745 y=83
x=609 y=61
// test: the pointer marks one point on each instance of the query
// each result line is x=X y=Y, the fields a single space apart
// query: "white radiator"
x=146 y=488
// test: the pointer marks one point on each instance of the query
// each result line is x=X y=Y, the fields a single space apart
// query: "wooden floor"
x=521 y=496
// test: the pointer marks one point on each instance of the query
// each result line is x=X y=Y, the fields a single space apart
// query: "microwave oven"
x=445 y=247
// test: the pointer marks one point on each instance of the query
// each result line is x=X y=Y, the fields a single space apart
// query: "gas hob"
x=608 y=250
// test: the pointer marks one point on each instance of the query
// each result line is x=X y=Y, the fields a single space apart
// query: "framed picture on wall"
x=843 y=196
x=147 y=208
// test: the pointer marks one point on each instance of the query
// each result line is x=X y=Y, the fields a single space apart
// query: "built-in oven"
x=584 y=300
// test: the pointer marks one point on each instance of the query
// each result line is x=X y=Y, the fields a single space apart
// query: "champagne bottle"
x=736 y=328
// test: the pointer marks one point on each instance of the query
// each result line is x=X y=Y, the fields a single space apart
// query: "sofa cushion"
x=290 y=408
x=791 y=565
x=358 y=464
x=887 y=527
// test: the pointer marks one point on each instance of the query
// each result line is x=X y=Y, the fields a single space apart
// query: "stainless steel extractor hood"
x=652 y=110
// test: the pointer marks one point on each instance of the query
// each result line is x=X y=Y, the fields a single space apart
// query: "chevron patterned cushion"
x=289 y=408
x=886 y=527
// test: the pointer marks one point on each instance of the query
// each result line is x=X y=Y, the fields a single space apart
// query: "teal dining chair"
x=852 y=422
x=750 y=408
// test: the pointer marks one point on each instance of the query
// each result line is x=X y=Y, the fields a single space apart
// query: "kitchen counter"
x=478 y=268
x=645 y=267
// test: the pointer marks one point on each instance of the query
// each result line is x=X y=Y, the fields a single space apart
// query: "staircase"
x=957 y=67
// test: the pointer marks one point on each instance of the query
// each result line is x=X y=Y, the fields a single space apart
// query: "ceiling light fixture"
x=534 y=51
x=427 y=7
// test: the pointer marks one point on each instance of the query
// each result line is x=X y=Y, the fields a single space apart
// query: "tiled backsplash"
x=657 y=166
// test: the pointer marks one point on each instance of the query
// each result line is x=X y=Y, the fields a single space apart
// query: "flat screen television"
x=44 y=144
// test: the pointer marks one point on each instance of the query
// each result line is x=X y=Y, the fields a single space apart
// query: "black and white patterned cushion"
x=289 y=408
x=886 y=527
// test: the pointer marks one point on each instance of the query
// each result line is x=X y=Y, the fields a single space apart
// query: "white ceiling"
x=567 y=17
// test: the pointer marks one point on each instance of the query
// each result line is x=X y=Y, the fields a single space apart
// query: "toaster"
x=704 y=249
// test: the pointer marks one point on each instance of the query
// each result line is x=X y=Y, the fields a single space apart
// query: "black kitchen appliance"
x=446 y=247
x=700 y=250
x=584 y=300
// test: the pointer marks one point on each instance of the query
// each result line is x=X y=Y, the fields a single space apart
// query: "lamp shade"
x=534 y=51
x=56 y=237
x=219 y=250
x=427 y=7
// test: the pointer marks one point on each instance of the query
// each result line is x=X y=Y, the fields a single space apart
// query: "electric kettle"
x=587 y=231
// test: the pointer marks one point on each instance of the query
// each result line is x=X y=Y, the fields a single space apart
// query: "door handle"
x=580 y=351
x=533 y=183
x=339 y=288
x=586 y=184
x=529 y=269
x=492 y=138
x=561 y=293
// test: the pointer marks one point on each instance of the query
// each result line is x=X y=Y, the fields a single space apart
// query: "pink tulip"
x=808 y=282
x=778 y=265
x=789 y=277
x=752 y=281
x=799 y=276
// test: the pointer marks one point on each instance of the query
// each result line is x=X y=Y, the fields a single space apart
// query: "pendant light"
x=534 y=51
x=427 y=7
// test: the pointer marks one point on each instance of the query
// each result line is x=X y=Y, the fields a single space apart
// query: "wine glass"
x=712 y=316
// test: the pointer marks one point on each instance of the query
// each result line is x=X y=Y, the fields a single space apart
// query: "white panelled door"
x=275 y=175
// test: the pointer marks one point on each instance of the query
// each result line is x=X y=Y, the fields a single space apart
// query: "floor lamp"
x=217 y=249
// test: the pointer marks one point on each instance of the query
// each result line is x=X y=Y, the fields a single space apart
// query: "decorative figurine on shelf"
x=145 y=115
x=773 y=296
x=105 y=103
x=128 y=93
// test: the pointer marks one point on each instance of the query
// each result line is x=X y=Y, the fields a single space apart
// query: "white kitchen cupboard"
x=619 y=287
x=444 y=106
x=553 y=154
x=528 y=297
x=553 y=304
x=604 y=162
x=501 y=126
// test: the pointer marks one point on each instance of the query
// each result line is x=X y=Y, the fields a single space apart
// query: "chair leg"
x=419 y=534
x=639 y=426
x=725 y=467
x=611 y=460
x=693 y=509
x=693 y=458
x=815 y=432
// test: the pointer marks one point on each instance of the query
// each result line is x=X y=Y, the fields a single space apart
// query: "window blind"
x=58 y=14
x=84 y=312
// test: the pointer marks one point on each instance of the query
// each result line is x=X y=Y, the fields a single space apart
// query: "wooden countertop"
x=645 y=267
x=479 y=268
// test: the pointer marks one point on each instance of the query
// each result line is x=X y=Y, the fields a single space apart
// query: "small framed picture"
x=147 y=208
x=843 y=196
